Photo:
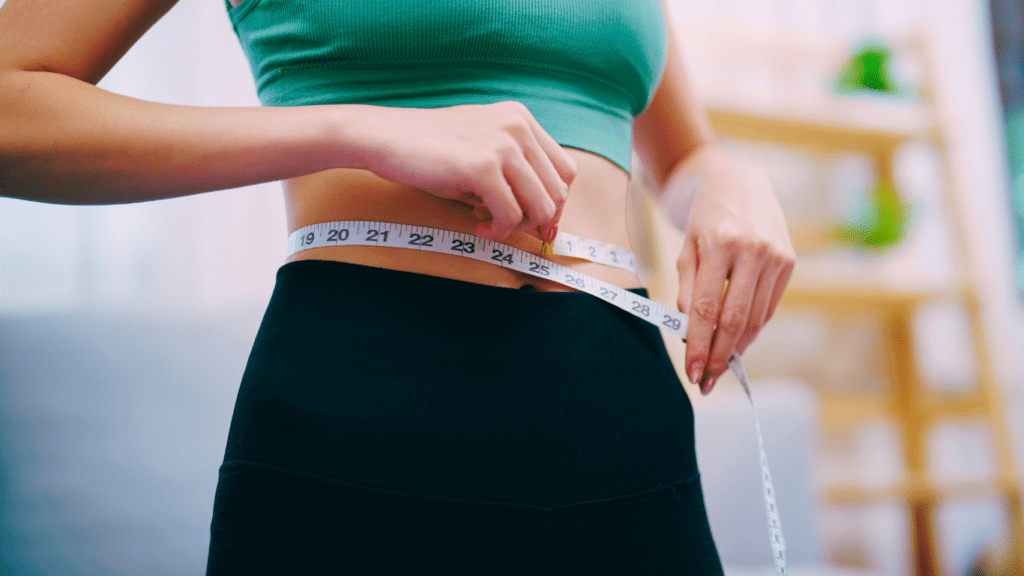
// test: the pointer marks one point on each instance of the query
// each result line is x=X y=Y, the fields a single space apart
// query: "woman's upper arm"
x=78 y=38
x=674 y=124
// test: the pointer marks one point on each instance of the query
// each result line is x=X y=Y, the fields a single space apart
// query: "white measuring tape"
x=594 y=250
x=366 y=233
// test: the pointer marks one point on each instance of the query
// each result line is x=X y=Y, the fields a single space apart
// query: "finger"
x=556 y=188
x=781 y=281
x=547 y=233
x=535 y=202
x=503 y=207
x=482 y=213
x=561 y=161
x=705 y=306
x=759 y=307
x=733 y=318
x=471 y=198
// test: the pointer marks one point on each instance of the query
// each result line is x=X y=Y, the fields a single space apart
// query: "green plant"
x=884 y=222
x=869 y=68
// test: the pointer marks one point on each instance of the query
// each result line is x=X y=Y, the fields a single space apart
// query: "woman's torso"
x=595 y=209
x=583 y=67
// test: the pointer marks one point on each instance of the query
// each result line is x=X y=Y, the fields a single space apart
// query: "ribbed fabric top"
x=583 y=68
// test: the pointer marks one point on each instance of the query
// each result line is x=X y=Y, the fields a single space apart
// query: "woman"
x=414 y=412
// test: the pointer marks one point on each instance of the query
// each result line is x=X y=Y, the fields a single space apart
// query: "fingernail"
x=549 y=232
x=707 y=387
x=696 y=370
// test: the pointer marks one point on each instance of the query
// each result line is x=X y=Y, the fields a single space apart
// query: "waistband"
x=427 y=385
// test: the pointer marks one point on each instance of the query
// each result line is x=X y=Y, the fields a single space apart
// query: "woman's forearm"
x=65 y=141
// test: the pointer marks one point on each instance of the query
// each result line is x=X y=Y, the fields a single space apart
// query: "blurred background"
x=888 y=386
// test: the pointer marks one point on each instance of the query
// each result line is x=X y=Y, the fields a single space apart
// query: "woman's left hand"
x=736 y=261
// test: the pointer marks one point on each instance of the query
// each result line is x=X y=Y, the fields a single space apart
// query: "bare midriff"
x=596 y=209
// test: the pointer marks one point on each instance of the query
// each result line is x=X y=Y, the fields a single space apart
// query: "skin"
x=737 y=256
x=487 y=169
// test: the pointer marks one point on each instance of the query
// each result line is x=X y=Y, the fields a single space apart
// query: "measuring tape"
x=366 y=233
x=595 y=251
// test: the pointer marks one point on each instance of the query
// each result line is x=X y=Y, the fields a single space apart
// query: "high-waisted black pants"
x=398 y=423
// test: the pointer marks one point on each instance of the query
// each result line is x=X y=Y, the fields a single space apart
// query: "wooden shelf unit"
x=879 y=127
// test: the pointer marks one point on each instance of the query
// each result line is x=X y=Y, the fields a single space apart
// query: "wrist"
x=684 y=181
x=677 y=196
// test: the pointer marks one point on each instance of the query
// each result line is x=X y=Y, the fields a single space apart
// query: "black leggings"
x=399 y=423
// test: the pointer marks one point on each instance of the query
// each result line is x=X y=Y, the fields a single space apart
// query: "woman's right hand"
x=494 y=157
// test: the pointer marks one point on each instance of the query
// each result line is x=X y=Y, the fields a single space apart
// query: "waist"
x=595 y=210
x=426 y=385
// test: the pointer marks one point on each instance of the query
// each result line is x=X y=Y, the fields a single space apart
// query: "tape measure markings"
x=595 y=251
x=369 y=233
x=775 y=537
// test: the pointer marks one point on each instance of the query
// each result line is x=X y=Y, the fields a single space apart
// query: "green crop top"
x=583 y=68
